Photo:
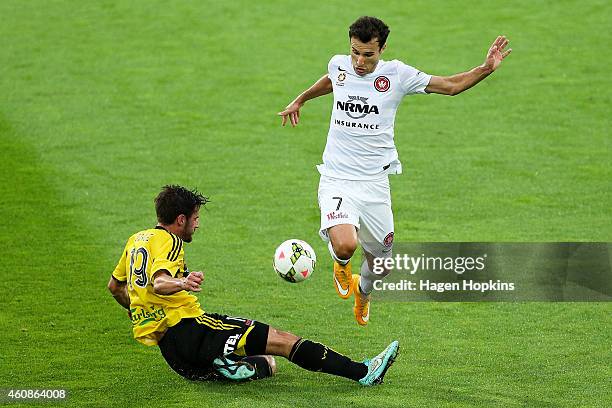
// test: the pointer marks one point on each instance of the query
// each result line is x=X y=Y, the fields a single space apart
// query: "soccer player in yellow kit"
x=153 y=282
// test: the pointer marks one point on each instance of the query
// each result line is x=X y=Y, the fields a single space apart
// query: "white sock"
x=333 y=254
x=367 y=278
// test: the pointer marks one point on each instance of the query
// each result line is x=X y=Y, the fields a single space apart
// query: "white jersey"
x=360 y=143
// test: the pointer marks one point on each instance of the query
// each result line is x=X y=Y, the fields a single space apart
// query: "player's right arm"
x=322 y=87
x=165 y=284
x=117 y=285
x=119 y=291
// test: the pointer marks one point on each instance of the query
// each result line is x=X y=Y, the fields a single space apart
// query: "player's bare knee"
x=280 y=342
x=344 y=248
x=287 y=338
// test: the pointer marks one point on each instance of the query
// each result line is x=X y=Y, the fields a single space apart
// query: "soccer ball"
x=294 y=260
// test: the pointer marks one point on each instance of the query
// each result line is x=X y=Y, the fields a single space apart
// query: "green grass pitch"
x=103 y=102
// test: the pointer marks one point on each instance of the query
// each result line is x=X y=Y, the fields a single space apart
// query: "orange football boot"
x=343 y=280
x=362 y=303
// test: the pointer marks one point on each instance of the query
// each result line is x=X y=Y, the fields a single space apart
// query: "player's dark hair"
x=366 y=28
x=175 y=200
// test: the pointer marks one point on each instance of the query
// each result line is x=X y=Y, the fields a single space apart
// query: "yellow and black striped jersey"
x=145 y=253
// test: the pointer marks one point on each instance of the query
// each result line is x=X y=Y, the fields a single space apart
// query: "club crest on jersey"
x=357 y=107
x=382 y=83
x=341 y=78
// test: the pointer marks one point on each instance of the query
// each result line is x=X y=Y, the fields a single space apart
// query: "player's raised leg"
x=315 y=356
x=363 y=284
x=339 y=224
x=376 y=238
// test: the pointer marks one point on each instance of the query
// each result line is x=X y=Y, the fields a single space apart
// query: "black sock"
x=317 y=357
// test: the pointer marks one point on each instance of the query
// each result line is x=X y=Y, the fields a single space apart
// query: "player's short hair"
x=366 y=28
x=174 y=200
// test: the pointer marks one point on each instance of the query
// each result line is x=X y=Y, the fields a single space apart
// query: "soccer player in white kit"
x=354 y=195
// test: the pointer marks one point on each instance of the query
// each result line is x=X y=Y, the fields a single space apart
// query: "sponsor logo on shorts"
x=231 y=342
x=388 y=241
x=336 y=215
x=382 y=83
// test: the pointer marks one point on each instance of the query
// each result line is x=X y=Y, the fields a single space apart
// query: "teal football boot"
x=378 y=366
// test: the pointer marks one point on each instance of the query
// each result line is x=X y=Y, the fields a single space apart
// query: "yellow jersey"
x=145 y=253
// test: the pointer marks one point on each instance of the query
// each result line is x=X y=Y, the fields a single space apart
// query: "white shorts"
x=366 y=204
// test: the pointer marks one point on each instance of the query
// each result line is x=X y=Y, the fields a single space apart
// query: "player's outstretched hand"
x=497 y=53
x=292 y=111
x=193 y=281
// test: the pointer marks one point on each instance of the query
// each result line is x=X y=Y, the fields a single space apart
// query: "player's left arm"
x=455 y=84
x=165 y=284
